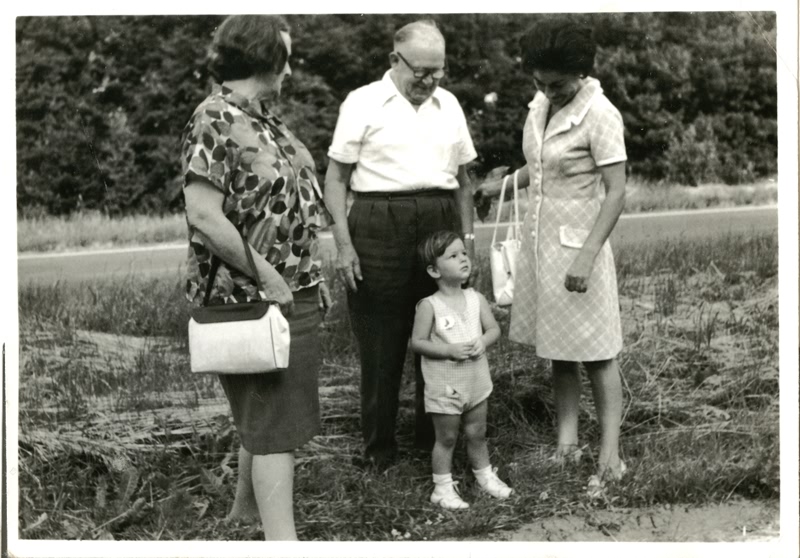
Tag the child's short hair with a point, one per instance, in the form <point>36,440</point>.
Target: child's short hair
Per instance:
<point>434,245</point>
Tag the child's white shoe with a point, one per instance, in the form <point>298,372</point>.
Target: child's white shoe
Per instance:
<point>446,496</point>
<point>490,483</point>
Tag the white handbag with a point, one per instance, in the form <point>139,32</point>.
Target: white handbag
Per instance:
<point>503,255</point>
<point>242,338</point>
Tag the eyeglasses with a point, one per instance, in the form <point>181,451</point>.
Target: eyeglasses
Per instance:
<point>421,73</point>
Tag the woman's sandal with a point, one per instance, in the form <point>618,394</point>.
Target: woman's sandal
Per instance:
<point>597,483</point>
<point>573,454</point>
<point>610,475</point>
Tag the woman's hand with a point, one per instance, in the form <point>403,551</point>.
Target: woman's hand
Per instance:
<point>482,199</point>
<point>578,274</point>
<point>275,288</point>
<point>488,190</point>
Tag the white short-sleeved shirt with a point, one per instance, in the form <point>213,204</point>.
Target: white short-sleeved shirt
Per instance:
<point>396,148</point>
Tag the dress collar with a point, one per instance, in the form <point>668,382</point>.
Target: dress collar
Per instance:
<point>570,115</point>
<point>250,106</point>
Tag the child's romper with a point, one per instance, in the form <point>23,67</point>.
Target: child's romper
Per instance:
<point>453,387</point>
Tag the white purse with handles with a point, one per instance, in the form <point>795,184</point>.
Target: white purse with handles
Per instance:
<point>243,338</point>
<point>503,254</point>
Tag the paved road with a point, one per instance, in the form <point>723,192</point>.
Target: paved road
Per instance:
<point>167,260</point>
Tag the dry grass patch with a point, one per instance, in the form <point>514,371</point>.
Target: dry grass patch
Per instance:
<point>119,440</point>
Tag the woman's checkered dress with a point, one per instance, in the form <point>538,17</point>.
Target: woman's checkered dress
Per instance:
<point>564,201</point>
<point>453,387</point>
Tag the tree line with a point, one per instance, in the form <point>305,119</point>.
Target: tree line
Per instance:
<point>102,100</point>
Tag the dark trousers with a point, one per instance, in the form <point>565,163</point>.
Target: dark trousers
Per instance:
<point>385,231</point>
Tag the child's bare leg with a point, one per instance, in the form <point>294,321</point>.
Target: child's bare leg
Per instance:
<point>475,435</point>
<point>244,502</point>
<point>446,428</point>
<point>444,492</point>
<point>607,391</point>
<point>567,394</point>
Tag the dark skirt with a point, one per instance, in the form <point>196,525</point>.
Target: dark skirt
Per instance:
<point>277,412</point>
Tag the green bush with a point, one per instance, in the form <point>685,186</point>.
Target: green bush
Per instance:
<point>101,101</point>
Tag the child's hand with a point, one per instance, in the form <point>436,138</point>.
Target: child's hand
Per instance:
<point>460,351</point>
<point>478,348</point>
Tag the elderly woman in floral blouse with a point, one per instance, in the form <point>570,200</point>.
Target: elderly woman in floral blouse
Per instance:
<point>247,176</point>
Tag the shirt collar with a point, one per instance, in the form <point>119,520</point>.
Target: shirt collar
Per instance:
<point>389,90</point>
<point>576,109</point>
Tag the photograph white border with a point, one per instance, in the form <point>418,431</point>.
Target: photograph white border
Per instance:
<point>787,47</point>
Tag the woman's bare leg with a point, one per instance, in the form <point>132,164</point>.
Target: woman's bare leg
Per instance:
<point>244,502</point>
<point>273,483</point>
<point>607,391</point>
<point>567,394</point>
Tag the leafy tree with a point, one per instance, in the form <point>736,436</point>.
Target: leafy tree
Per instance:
<point>101,101</point>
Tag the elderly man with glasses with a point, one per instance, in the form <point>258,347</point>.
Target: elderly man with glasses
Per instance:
<point>401,145</point>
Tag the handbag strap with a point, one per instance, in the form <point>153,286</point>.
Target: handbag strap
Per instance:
<point>215,261</point>
<point>513,228</point>
<point>499,209</point>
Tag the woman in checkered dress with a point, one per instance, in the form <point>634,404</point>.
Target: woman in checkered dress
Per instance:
<point>565,300</point>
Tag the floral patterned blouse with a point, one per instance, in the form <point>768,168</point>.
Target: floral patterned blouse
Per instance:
<point>271,193</point>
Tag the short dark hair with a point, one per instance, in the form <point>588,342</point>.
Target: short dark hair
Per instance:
<point>434,245</point>
<point>248,45</point>
<point>558,44</point>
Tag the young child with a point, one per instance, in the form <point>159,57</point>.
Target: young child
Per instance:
<point>452,329</point>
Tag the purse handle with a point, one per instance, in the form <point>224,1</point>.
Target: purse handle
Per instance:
<point>212,273</point>
<point>512,226</point>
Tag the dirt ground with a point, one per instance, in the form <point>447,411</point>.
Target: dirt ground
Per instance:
<point>736,521</point>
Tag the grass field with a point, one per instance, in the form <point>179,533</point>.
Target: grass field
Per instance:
<point>95,230</point>
<point>118,440</point>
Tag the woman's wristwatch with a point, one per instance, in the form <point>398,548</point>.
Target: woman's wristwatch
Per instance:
<point>469,236</point>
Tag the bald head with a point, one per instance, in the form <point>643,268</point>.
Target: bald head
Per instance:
<point>423,32</point>
<point>418,56</point>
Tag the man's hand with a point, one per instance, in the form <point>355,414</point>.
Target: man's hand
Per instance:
<point>325,300</point>
<point>347,267</point>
